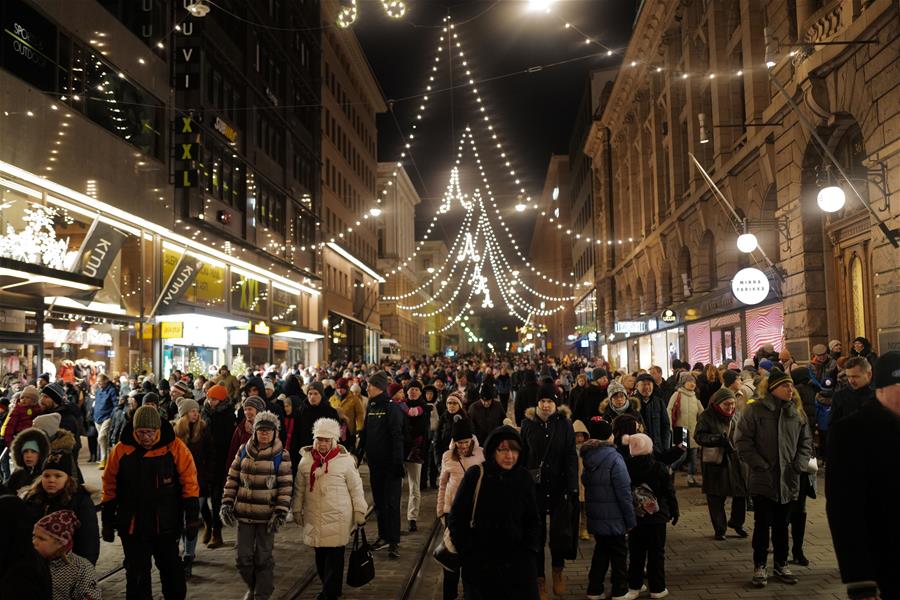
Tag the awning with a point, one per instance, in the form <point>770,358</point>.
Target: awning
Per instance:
<point>37,280</point>
<point>348,317</point>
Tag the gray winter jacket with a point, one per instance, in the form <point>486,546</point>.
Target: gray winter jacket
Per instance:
<point>773,439</point>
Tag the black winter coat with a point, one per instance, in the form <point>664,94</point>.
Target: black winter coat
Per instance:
<point>71,419</point>
<point>303,425</point>
<point>576,397</point>
<point>526,397</point>
<point>382,436</point>
<point>86,541</point>
<point>656,423</point>
<point>498,555</point>
<point>646,469</point>
<point>220,423</point>
<point>485,420</point>
<point>550,449</point>
<point>846,401</point>
<point>23,573</point>
<point>589,404</point>
<point>861,492</point>
<point>203,451</point>
<point>730,477</point>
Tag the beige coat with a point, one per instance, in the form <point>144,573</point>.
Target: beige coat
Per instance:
<point>329,512</point>
<point>452,471</point>
<point>253,487</point>
<point>351,408</point>
<point>690,410</point>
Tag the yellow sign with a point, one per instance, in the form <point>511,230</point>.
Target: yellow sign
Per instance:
<point>208,288</point>
<point>261,328</point>
<point>171,329</point>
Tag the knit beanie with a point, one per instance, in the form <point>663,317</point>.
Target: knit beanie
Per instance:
<point>60,525</point>
<point>326,428</point>
<point>548,392</point>
<point>316,385</point>
<point>833,344</point>
<point>487,391</point>
<point>777,377</point>
<point>598,373</point>
<point>60,461</point>
<point>599,429</point>
<point>146,417</point>
<point>255,402</point>
<point>615,388</point>
<point>638,444</point>
<point>30,392</point>
<point>766,364</point>
<point>49,423</point>
<point>380,379</point>
<point>150,397</point>
<point>415,383</point>
<point>749,364</point>
<point>163,385</point>
<point>55,392</point>
<point>217,392</point>
<point>32,445</point>
<point>393,389</point>
<point>269,385</point>
<point>182,387</point>
<point>342,384</point>
<point>721,395</point>
<point>462,428</point>
<point>684,377</point>
<point>265,420</point>
<point>186,405</point>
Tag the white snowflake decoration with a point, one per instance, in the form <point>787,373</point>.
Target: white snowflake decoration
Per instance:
<point>37,243</point>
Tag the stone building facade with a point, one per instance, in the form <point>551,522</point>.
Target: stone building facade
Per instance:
<point>668,254</point>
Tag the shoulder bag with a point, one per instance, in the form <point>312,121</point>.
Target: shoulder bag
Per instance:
<point>361,567</point>
<point>445,554</point>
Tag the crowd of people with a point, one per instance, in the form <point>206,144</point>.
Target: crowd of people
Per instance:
<point>527,455</point>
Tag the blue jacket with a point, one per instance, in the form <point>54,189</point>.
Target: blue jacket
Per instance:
<point>383,433</point>
<point>105,401</point>
<point>607,490</point>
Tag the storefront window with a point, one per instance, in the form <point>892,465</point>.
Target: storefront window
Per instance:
<point>249,295</point>
<point>285,307</point>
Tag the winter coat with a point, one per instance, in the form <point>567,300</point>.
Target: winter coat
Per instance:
<point>485,420</point>
<point>329,512</point>
<point>498,555</point>
<point>527,396</point>
<point>200,442</point>
<point>231,383</point>
<point>105,400</point>
<point>576,397</point>
<point>689,411</point>
<point>415,439</point>
<point>70,419</point>
<point>861,492</point>
<point>86,541</point>
<point>729,478</point>
<point>453,469</point>
<point>303,425</point>
<point>147,492</point>
<point>632,407</point>
<point>253,488</point>
<point>23,476</point>
<point>73,578</point>
<point>847,401</point>
<point>23,572</point>
<point>352,408</point>
<point>239,437</point>
<point>382,436</point>
<point>657,424</point>
<point>549,447</point>
<point>19,419</point>
<point>773,439</point>
<point>647,470</point>
<point>220,424</point>
<point>608,502</point>
<point>119,417</point>
<point>588,405</point>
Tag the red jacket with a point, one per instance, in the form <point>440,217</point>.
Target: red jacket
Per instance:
<point>18,420</point>
<point>238,439</point>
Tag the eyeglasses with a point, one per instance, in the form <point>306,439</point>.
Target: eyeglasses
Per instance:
<point>145,433</point>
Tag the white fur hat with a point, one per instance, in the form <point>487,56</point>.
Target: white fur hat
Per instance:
<point>326,428</point>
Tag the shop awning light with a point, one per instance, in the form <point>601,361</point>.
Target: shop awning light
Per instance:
<point>100,307</point>
<point>32,278</point>
<point>355,261</point>
<point>299,335</point>
<point>201,320</point>
<point>123,217</point>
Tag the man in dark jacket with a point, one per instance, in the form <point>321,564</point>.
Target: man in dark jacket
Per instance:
<point>654,414</point>
<point>218,413</point>
<point>105,400</point>
<point>862,488</point>
<point>486,414</point>
<point>55,400</point>
<point>527,396</point>
<point>548,441</point>
<point>382,442</point>
<point>773,439</point>
<point>857,393</point>
<point>315,408</point>
<point>589,406</point>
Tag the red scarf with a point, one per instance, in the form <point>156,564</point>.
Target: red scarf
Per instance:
<point>318,461</point>
<point>717,406</point>
<point>676,409</point>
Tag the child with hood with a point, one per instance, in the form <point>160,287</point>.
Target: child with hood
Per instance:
<point>30,449</point>
<point>22,414</point>
<point>73,576</point>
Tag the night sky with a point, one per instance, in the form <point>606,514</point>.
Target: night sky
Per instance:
<point>532,113</point>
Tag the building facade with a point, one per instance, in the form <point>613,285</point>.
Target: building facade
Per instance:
<point>438,335</point>
<point>351,99</point>
<point>143,228</point>
<point>396,245</point>
<point>702,78</point>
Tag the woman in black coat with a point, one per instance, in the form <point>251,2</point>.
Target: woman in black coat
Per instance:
<point>218,414</point>
<point>23,573</point>
<point>497,545</point>
<point>724,475</point>
<point>454,407</point>
<point>549,443</point>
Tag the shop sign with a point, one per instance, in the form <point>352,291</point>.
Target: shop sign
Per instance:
<point>76,337</point>
<point>651,324</point>
<point>179,281</point>
<point>171,330</point>
<point>99,250</point>
<point>186,151</point>
<point>750,286</point>
<point>261,328</point>
<point>668,316</point>
<point>631,326</point>
<point>28,46</point>
<point>225,129</point>
<point>187,59</point>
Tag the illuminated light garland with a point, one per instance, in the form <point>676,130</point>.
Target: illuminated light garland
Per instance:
<point>349,13</point>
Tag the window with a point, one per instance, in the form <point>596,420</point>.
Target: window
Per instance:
<point>270,207</point>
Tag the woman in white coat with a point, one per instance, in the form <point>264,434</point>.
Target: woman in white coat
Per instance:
<point>684,409</point>
<point>328,502</point>
<point>464,452</point>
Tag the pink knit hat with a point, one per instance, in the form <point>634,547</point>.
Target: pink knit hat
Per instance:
<point>638,444</point>
<point>61,526</point>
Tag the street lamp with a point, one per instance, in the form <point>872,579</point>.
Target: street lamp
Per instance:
<point>198,8</point>
<point>375,212</point>
<point>831,198</point>
<point>539,5</point>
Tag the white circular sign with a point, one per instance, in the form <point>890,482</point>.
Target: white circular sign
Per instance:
<point>750,286</point>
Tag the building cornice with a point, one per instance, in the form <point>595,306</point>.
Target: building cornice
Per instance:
<point>358,61</point>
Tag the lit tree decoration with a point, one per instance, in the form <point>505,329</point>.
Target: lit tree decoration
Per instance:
<point>37,243</point>
<point>395,9</point>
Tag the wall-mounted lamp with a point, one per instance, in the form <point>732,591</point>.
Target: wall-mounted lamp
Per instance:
<point>704,134</point>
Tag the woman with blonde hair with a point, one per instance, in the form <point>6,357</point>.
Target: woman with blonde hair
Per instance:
<point>192,430</point>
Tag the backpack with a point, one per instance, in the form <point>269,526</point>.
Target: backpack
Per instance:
<point>276,460</point>
<point>644,499</point>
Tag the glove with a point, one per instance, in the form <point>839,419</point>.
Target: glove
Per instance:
<point>360,518</point>
<point>108,533</point>
<point>675,519</point>
<point>415,411</point>
<point>226,513</point>
<point>192,520</point>
<point>276,521</point>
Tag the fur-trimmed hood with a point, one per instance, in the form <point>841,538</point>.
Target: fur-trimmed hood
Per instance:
<point>561,409</point>
<point>182,429</point>
<point>634,400</point>
<point>766,399</point>
<point>27,435</point>
<point>63,441</point>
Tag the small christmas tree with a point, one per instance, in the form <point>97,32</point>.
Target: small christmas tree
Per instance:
<point>196,366</point>
<point>238,366</point>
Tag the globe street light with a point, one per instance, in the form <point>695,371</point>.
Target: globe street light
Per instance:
<point>747,243</point>
<point>831,199</point>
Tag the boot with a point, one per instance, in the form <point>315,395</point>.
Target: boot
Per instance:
<point>559,582</point>
<point>215,540</point>
<point>798,531</point>
<point>207,535</point>
<point>187,562</point>
<point>542,588</point>
<point>102,465</point>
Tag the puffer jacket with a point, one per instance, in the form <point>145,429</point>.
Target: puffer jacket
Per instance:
<point>607,490</point>
<point>253,487</point>
<point>24,476</point>
<point>689,410</point>
<point>549,447</point>
<point>20,418</point>
<point>452,470</point>
<point>715,430</point>
<point>647,470</point>
<point>329,512</point>
<point>773,439</point>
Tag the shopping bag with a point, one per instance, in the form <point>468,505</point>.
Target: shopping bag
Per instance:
<point>445,554</point>
<point>361,567</point>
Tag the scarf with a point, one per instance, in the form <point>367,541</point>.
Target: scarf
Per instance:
<point>320,460</point>
<point>676,408</point>
<point>621,410</point>
<point>717,406</point>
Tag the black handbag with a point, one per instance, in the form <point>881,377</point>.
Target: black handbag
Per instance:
<point>361,566</point>
<point>564,522</point>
